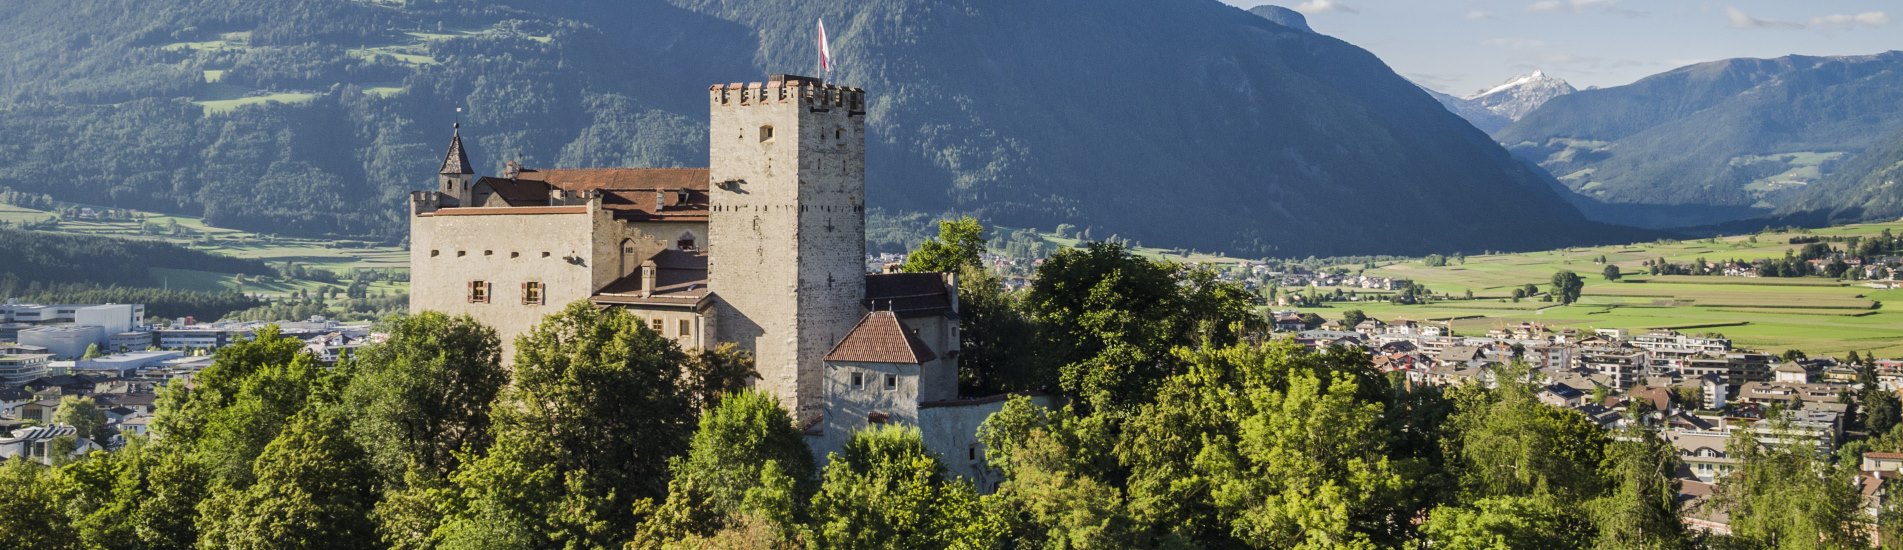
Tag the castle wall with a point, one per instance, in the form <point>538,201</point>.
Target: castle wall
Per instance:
<point>503,248</point>
<point>787,236</point>
<point>848,407</point>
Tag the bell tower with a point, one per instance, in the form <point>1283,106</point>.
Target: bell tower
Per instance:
<point>786,254</point>
<point>455,179</point>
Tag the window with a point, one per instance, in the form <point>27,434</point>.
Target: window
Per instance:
<point>858,380</point>
<point>971,453</point>
<point>655,324</point>
<point>686,327</point>
<point>461,253</point>
<point>891,382</point>
<point>488,252</point>
<point>435,253</point>
<point>545,254</point>
<point>514,255</point>
<point>766,133</point>
<point>839,133</point>
<point>532,293</point>
<point>478,292</point>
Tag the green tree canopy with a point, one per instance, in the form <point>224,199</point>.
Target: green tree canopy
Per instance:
<point>423,395</point>
<point>1566,286</point>
<point>315,489</point>
<point>83,414</point>
<point>745,449</point>
<point>597,407</point>
<point>960,243</point>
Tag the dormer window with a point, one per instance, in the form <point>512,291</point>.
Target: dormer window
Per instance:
<point>766,133</point>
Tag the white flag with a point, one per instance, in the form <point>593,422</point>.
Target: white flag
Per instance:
<point>825,53</point>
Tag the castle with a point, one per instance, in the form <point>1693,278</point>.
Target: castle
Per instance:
<point>764,248</point>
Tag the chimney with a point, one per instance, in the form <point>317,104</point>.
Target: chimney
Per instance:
<point>648,278</point>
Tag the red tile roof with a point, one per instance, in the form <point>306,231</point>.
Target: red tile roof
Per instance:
<point>509,211</point>
<point>586,179</point>
<point>881,338</point>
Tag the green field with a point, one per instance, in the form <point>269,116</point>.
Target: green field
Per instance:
<point>1819,316</point>
<point>327,255</point>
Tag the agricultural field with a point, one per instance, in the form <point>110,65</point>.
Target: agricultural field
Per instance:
<point>1813,314</point>
<point>339,257</point>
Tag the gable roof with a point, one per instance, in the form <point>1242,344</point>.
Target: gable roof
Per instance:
<point>881,338</point>
<point>588,179</point>
<point>908,294</point>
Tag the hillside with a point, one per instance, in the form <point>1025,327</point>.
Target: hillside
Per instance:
<point>1716,141</point>
<point>1866,187</point>
<point>1187,124</point>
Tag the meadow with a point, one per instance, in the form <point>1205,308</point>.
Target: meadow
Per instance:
<point>335,256</point>
<point>1812,314</point>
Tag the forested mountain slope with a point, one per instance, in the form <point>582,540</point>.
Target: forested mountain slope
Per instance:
<point>1716,141</point>
<point>1188,124</point>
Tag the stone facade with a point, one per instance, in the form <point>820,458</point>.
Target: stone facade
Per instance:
<point>788,225</point>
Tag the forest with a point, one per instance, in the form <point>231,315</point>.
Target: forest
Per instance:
<point>1180,428</point>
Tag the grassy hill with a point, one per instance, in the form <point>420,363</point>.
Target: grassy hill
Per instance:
<point>1819,316</point>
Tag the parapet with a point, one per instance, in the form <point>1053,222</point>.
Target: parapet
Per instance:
<point>782,89</point>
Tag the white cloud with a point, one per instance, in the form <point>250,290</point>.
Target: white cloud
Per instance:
<point>1866,19</point>
<point>1477,15</point>
<point>1741,20</point>
<point>1321,6</point>
<point>1547,6</point>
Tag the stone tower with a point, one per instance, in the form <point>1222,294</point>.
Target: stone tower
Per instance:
<point>456,176</point>
<point>786,256</point>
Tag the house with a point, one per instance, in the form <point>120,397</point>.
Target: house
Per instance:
<point>1791,372</point>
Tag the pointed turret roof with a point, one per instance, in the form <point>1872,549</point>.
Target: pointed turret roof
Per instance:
<point>456,163</point>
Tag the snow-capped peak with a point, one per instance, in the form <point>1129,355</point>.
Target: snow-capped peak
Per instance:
<point>1521,94</point>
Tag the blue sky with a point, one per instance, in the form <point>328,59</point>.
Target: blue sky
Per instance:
<point>1459,46</point>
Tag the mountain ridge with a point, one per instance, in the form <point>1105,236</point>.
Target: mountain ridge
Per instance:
<point>1714,142</point>
<point>1226,132</point>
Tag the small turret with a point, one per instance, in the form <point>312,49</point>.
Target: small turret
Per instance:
<point>456,176</point>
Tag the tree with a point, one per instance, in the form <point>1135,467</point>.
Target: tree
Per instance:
<point>1611,273</point>
<point>1308,468</point>
<point>315,489</point>
<point>1782,495</point>
<point>1110,318</point>
<point>960,242</point>
<point>423,395</point>
<point>92,352</point>
<point>714,373</point>
<point>598,405</point>
<point>888,491</point>
<point>997,340</point>
<point>1511,444</point>
<point>239,404</point>
<point>745,450</point>
<point>1506,523</point>
<point>1641,508</point>
<point>30,514</point>
<point>1353,318</point>
<point>1566,286</point>
<point>83,414</point>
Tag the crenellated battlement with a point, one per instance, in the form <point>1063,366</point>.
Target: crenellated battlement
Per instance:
<point>781,89</point>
